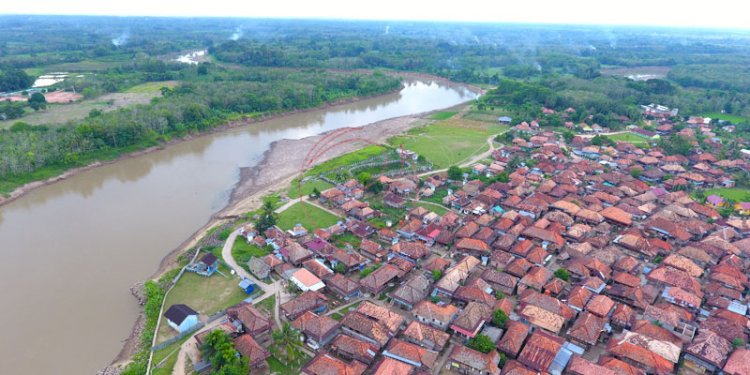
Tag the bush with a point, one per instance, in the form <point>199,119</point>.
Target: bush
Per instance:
<point>499,318</point>
<point>481,343</point>
<point>437,274</point>
<point>562,274</point>
<point>455,173</point>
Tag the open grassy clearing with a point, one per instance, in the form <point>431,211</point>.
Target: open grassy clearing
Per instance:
<point>443,115</point>
<point>726,117</point>
<point>170,352</point>
<point>449,142</point>
<point>242,252</point>
<point>434,207</point>
<point>629,137</point>
<point>488,115</point>
<point>277,367</point>
<point>267,304</point>
<point>207,295</point>
<point>309,216</point>
<point>346,160</point>
<point>295,190</point>
<point>735,194</point>
<point>151,87</point>
<point>61,113</point>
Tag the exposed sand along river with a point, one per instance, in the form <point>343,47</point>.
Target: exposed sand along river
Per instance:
<point>70,251</point>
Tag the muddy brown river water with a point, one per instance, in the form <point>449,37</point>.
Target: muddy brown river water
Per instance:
<point>70,251</point>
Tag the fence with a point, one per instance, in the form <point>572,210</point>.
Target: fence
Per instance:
<point>178,337</point>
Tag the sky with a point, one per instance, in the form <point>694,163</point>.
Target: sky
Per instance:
<point>684,13</point>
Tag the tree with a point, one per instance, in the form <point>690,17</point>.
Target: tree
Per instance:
<point>267,217</point>
<point>636,172</point>
<point>568,135</point>
<point>364,178</point>
<point>375,187</point>
<point>738,342</point>
<point>437,274</point>
<point>287,343</point>
<point>219,349</point>
<point>455,173</point>
<point>481,343</point>
<point>37,101</point>
<point>499,318</point>
<point>562,274</point>
<point>315,193</point>
<point>339,268</point>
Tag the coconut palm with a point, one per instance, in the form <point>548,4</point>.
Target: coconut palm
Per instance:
<point>287,342</point>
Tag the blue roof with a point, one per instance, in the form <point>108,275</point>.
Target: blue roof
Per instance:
<point>504,119</point>
<point>246,283</point>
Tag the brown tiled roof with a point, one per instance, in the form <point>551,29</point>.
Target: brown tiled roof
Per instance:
<point>549,303</point>
<point>413,290</point>
<point>623,315</point>
<point>367,327</point>
<point>723,327</point>
<point>737,364</point>
<point>579,296</point>
<point>315,325</point>
<point>580,366</point>
<point>256,354</point>
<point>675,277</point>
<point>542,318</point>
<point>375,281</point>
<point>390,319</point>
<point>587,328</point>
<point>422,333</point>
<point>537,277</point>
<point>254,321</point>
<point>514,367</point>
<point>472,244</point>
<point>414,250</point>
<point>352,347</point>
<point>620,367</point>
<point>485,363</point>
<point>512,341</point>
<point>645,351</point>
<point>457,274</point>
<point>600,305</point>
<point>626,279</point>
<point>306,301</point>
<point>682,263</point>
<point>473,316</point>
<point>326,364</point>
<point>617,215</point>
<point>342,283</point>
<point>429,310</point>
<point>710,347</point>
<point>540,350</point>
<point>390,366</point>
<point>412,352</point>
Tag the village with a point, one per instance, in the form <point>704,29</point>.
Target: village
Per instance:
<point>599,253</point>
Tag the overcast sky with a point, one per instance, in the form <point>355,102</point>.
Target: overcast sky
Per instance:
<point>687,13</point>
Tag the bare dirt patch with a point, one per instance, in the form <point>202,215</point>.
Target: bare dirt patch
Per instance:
<point>59,97</point>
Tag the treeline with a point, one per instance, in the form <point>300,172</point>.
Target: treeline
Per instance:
<point>13,79</point>
<point>718,76</point>
<point>191,107</point>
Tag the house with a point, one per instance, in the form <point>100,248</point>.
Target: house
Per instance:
<point>352,348</point>
<point>181,318</point>
<point>255,353</point>
<point>372,323</point>
<point>410,293</point>
<point>375,282</point>
<point>305,280</point>
<point>412,251</point>
<point>259,267</point>
<point>714,201</point>
<point>411,354</point>
<point>326,364</point>
<point>515,335</point>
<point>318,330</point>
<point>586,329</point>
<point>654,355</point>
<point>252,321</point>
<point>206,266</point>
<point>307,301</point>
<point>345,287</point>
<point>504,120</point>
<point>426,336</point>
<point>455,275</point>
<point>737,362</point>
<point>469,322</point>
<point>247,285</point>
<point>540,351</point>
<point>440,316</point>
<point>469,361</point>
<point>580,366</point>
<point>708,350</point>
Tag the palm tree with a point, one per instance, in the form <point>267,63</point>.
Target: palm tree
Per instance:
<point>287,341</point>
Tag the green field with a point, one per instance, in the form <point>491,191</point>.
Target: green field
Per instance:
<point>434,207</point>
<point>449,142</point>
<point>443,115</point>
<point>309,216</point>
<point>307,187</point>
<point>151,87</point>
<point>207,295</point>
<point>243,251</point>
<point>726,117</point>
<point>630,138</point>
<point>279,368</point>
<point>267,304</point>
<point>735,194</point>
<point>347,159</point>
<point>170,352</point>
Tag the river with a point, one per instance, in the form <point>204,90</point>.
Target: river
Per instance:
<point>71,250</point>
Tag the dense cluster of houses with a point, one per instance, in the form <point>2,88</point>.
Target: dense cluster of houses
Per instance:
<point>601,270</point>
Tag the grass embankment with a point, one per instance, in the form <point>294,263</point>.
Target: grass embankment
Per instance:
<point>735,194</point>
<point>449,142</point>
<point>311,217</point>
<point>443,115</point>
<point>734,119</point>
<point>362,154</point>
<point>169,353</point>
<point>306,188</point>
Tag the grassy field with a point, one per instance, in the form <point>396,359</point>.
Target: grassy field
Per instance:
<point>449,142</point>
<point>443,115</point>
<point>630,138</point>
<point>279,368</point>
<point>345,160</point>
<point>207,295</point>
<point>151,87</point>
<point>436,208</point>
<point>295,190</point>
<point>170,352</point>
<point>61,113</point>
<point>726,117</point>
<point>735,194</point>
<point>267,304</point>
<point>242,252</point>
<point>309,216</point>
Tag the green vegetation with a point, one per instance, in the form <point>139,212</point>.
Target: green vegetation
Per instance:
<point>151,87</point>
<point>362,154</point>
<point>219,349</point>
<point>169,353</point>
<point>734,194</point>
<point>630,138</point>
<point>267,217</point>
<point>154,293</point>
<point>481,343</point>
<point>336,316</point>
<point>443,115</point>
<point>436,275</point>
<point>499,318</point>
<point>307,188</point>
<point>268,305</point>
<point>311,217</point>
<point>341,240</point>
<point>286,345</point>
<point>448,142</point>
<point>562,274</point>
<point>277,367</point>
<point>738,342</point>
<point>437,208</point>
<point>242,252</point>
<point>368,270</point>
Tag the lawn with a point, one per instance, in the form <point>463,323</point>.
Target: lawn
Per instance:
<point>434,207</point>
<point>151,87</point>
<point>336,316</point>
<point>347,159</point>
<point>243,251</point>
<point>629,137</point>
<point>342,239</point>
<point>443,115</point>
<point>726,117</point>
<point>311,217</point>
<point>735,194</point>
<point>279,368</point>
<point>307,187</point>
<point>170,351</point>
<point>449,142</point>
<point>268,305</point>
<point>207,295</point>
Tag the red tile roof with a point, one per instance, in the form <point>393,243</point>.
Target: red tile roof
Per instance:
<point>540,350</point>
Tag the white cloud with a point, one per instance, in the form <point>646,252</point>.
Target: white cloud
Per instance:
<point>716,13</point>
